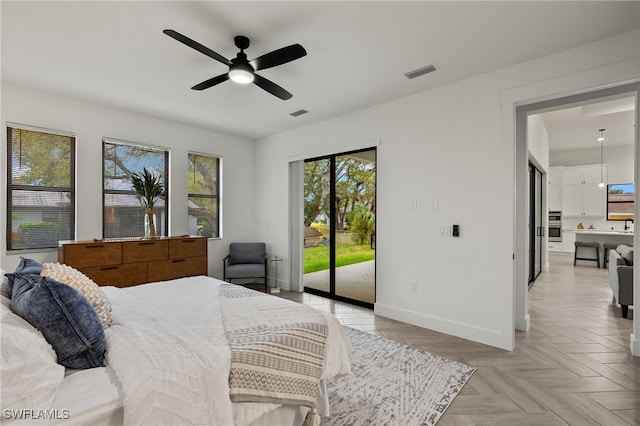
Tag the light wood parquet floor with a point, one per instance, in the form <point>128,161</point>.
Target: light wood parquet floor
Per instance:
<point>573,367</point>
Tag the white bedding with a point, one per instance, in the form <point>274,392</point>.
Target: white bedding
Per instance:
<point>159,332</point>
<point>189,307</point>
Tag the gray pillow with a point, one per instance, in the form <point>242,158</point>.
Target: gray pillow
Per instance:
<point>63,315</point>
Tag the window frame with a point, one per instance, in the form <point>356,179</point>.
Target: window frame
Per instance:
<point>105,192</point>
<point>217,196</point>
<point>71,189</point>
<point>609,202</point>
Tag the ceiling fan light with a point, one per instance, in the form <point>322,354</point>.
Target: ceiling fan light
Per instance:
<point>241,76</point>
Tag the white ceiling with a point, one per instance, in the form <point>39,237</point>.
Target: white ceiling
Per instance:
<point>114,53</point>
<point>577,126</point>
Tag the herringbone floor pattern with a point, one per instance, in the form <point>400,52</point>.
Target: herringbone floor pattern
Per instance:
<point>573,367</point>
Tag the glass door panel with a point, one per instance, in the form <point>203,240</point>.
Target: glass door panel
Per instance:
<point>339,226</point>
<point>355,188</point>
<point>317,196</point>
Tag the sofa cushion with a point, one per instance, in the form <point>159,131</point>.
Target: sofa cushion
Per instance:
<point>627,254</point>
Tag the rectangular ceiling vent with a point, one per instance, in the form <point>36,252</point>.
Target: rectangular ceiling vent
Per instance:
<point>420,71</point>
<point>299,112</point>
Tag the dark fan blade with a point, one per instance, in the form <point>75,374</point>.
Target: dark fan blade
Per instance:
<point>271,87</point>
<point>211,82</point>
<point>279,57</point>
<point>195,45</point>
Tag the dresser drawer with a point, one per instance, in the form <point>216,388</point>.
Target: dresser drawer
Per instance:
<point>187,247</point>
<point>177,268</point>
<point>87,255</point>
<point>144,251</point>
<point>118,275</point>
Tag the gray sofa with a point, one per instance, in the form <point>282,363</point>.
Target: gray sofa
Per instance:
<point>621,276</point>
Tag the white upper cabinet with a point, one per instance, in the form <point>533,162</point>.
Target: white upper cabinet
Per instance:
<point>581,193</point>
<point>554,193</point>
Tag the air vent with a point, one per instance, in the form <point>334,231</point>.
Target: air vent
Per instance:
<point>420,71</point>
<point>298,112</point>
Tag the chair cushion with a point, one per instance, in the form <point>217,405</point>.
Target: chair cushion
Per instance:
<point>247,270</point>
<point>63,315</point>
<point>246,253</point>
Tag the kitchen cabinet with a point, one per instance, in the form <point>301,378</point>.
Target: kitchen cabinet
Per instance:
<point>581,193</point>
<point>554,191</point>
<point>551,246</point>
<point>568,240</point>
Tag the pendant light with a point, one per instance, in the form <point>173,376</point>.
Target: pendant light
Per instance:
<point>601,140</point>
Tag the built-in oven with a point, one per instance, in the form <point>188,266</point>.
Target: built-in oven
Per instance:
<point>555,226</point>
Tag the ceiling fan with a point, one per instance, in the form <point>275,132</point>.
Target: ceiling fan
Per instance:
<point>241,70</point>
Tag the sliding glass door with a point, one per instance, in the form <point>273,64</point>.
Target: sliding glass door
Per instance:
<point>339,226</point>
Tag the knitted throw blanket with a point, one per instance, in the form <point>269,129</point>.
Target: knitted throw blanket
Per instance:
<point>272,359</point>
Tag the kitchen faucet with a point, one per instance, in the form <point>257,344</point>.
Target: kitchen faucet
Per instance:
<point>626,227</point>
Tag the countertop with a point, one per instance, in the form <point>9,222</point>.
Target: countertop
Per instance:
<point>603,232</point>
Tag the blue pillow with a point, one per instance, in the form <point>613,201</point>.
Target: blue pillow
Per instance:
<point>29,266</point>
<point>64,316</point>
<point>26,266</point>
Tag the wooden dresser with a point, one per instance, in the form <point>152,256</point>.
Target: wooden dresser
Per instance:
<point>123,263</point>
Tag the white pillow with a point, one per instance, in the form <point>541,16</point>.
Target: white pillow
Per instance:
<point>85,285</point>
<point>29,371</point>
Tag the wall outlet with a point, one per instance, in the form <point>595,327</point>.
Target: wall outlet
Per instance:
<point>413,286</point>
<point>413,204</point>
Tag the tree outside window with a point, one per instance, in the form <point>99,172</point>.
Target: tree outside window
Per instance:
<point>123,215</point>
<point>203,188</point>
<point>40,188</point>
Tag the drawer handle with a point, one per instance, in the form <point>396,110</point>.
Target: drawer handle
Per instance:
<point>189,241</point>
<point>106,268</point>
<point>179,260</point>
<point>147,243</point>
<point>95,246</point>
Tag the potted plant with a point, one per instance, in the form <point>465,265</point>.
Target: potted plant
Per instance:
<point>148,187</point>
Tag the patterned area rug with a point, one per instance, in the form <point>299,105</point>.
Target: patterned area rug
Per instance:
<point>393,385</point>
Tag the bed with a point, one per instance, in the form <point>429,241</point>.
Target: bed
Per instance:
<point>178,352</point>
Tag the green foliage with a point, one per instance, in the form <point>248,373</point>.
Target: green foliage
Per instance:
<point>148,187</point>
<point>42,159</point>
<point>40,234</point>
<point>363,223</point>
<point>207,230</point>
<point>317,258</point>
<point>354,185</point>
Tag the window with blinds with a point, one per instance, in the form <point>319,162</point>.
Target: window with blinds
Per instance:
<point>40,187</point>
<point>203,188</point>
<point>124,215</point>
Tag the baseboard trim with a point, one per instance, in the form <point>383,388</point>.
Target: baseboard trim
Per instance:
<point>523,324</point>
<point>466,331</point>
<point>635,344</point>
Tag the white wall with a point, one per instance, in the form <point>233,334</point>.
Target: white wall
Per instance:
<point>454,144</point>
<point>91,123</point>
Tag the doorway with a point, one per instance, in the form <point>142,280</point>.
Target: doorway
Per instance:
<point>522,254</point>
<point>339,226</point>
